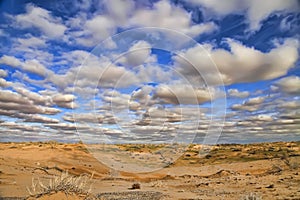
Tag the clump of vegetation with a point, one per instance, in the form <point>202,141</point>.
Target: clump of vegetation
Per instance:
<point>136,186</point>
<point>66,183</point>
<point>251,196</point>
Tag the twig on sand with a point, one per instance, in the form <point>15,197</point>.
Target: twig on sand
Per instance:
<point>45,169</point>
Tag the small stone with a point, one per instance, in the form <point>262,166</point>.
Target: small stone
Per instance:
<point>270,186</point>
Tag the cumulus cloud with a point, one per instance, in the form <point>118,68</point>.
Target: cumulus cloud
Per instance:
<point>239,65</point>
<point>265,118</point>
<point>254,101</point>
<point>119,77</point>
<point>18,126</point>
<point>137,54</point>
<point>95,72</point>
<point>142,97</point>
<point>13,97</point>
<point>4,83</point>
<point>259,11</point>
<point>292,105</point>
<point>31,42</point>
<point>40,119</point>
<point>250,105</point>
<point>290,84</point>
<point>3,73</point>
<point>256,10</point>
<point>33,66</point>
<point>28,108</point>
<point>237,93</point>
<point>184,94</point>
<point>120,10</point>
<point>62,126</point>
<point>41,19</point>
<point>65,100</point>
<point>155,116</point>
<point>89,31</point>
<point>10,60</point>
<point>14,101</point>
<point>97,29</point>
<point>33,96</point>
<point>166,15</point>
<point>83,117</point>
<point>115,98</point>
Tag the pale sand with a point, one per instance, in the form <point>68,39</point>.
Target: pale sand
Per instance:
<point>270,170</point>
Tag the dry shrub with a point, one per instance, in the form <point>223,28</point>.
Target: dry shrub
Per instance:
<point>66,183</point>
<point>136,186</point>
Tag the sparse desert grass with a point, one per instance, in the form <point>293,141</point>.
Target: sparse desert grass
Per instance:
<point>157,183</point>
<point>69,184</point>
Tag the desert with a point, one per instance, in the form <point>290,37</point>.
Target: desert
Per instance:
<point>228,171</point>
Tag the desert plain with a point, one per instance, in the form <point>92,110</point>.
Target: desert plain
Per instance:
<point>227,171</point>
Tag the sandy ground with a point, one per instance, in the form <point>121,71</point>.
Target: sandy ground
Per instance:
<point>268,170</point>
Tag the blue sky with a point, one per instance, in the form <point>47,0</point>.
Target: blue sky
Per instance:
<point>149,71</point>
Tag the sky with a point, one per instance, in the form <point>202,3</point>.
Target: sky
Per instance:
<point>127,71</point>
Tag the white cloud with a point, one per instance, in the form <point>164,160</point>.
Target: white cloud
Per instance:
<point>65,100</point>
<point>166,15</point>
<point>254,101</point>
<point>290,84</point>
<point>96,30</point>
<point>83,117</point>
<point>118,77</point>
<point>33,66</point>
<point>220,7</point>
<point>120,10</point>
<point>42,19</point>
<point>260,10</point>
<point>137,54</point>
<point>29,102</point>
<point>91,30</point>
<point>115,98</point>
<point>239,65</point>
<point>237,93</point>
<point>290,105</point>
<point>3,73</point>
<point>62,126</point>
<point>40,119</point>
<point>31,42</point>
<point>264,118</point>
<point>11,61</point>
<point>93,72</point>
<point>19,126</point>
<point>250,105</point>
<point>33,96</point>
<point>142,95</point>
<point>4,83</point>
<point>153,73</point>
<point>28,108</point>
<point>256,10</point>
<point>12,97</point>
<point>184,94</point>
